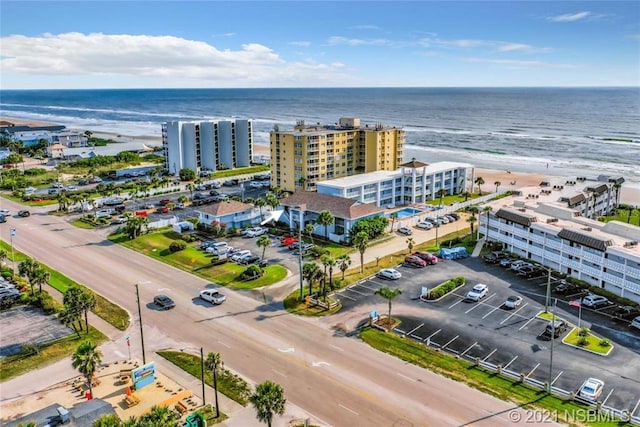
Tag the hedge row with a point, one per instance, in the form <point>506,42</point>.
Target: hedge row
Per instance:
<point>444,288</point>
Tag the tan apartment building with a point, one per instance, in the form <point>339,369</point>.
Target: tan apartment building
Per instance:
<point>308,154</point>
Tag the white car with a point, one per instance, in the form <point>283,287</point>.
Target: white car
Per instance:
<point>255,184</point>
<point>595,301</point>
<point>478,292</point>
<point>389,273</point>
<point>405,230</point>
<point>424,225</point>
<point>255,232</point>
<point>5,212</point>
<point>635,323</point>
<point>591,389</point>
<point>513,301</point>
<point>212,296</point>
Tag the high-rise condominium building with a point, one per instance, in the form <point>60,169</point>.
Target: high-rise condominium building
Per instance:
<point>311,153</point>
<point>208,145</point>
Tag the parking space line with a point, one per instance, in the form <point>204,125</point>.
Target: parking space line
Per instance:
<point>556,378</point>
<point>468,348</point>
<point>400,331</point>
<point>486,315</point>
<point>415,329</point>
<point>347,297</point>
<point>455,303</point>
<point>450,341</point>
<point>531,371</point>
<point>480,303</point>
<point>348,409</point>
<point>489,355</point>
<point>608,396</point>
<point>635,407</point>
<point>430,336</point>
<point>514,313</point>
<point>510,362</point>
<point>354,291</point>
<point>527,322</point>
<point>366,287</point>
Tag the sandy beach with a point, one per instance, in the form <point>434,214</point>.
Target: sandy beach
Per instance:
<point>509,180</point>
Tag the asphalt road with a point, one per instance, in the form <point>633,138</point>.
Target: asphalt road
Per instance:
<point>336,378</point>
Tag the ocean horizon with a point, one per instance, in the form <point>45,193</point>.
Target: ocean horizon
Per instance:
<point>571,130</point>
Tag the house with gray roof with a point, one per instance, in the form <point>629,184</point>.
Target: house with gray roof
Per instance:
<point>231,213</point>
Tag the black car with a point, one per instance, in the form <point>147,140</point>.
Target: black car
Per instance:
<point>3,218</point>
<point>24,213</point>
<point>164,302</point>
<point>249,260</point>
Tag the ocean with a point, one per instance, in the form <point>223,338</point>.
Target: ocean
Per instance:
<point>562,131</point>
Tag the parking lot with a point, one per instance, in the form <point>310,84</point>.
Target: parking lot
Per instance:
<point>26,325</point>
<point>509,337</point>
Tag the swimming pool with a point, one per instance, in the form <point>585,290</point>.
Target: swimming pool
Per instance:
<point>406,212</point>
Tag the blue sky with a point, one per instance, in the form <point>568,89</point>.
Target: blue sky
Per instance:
<point>121,44</point>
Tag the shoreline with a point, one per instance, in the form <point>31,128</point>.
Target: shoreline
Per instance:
<point>508,173</point>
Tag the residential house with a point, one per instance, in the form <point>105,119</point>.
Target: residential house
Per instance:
<point>231,213</point>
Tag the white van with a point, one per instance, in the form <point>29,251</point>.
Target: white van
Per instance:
<point>218,248</point>
<point>237,256</point>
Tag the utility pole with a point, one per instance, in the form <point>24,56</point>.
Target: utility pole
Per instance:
<point>300,254</point>
<point>553,338</point>
<point>548,296</point>
<point>202,375</point>
<point>144,359</point>
<point>13,259</point>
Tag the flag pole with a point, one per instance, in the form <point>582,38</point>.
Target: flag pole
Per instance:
<point>579,315</point>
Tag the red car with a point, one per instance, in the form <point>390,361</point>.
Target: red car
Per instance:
<point>426,256</point>
<point>164,209</point>
<point>286,241</point>
<point>164,202</point>
<point>415,261</point>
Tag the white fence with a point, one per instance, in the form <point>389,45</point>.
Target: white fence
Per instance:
<point>163,223</point>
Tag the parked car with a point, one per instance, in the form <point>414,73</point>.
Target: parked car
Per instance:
<point>164,302</point>
<point>591,389</point>
<point>517,265</point>
<point>240,254</point>
<point>212,296</point>
<point>595,301</point>
<point>565,288</point>
<point>478,292</point>
<point>513,301</point>
<point>506,262</point>
<point>635,323</point>
<point>415,261</point>
<point>389,273</point>
<point>256,231</point>
<point>454,215</point>
<point>405,230</point>
<point>626,312</point>
<point>528,271</point>
<point>555,329</point>
<point>3,218</point>
<point>230,182</point>
<point>164,202</point>
<point>286,241</point>
<point>255,184</point>
<point>5,212</point>
<point>494,257</point>
<point>248,259</point>
<point>430,258</point>
<point>164,210</point>
<point>120,220</point>
<point>425,225</point>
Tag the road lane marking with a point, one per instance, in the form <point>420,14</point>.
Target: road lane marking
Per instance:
<point>319,364</point>
<point>406,377</point>
<point>279,373</point>
<point>348,409</point>
<point>336,347</point>
<point>514,313</point>
<point>286,350</point>
<point>224,344</point>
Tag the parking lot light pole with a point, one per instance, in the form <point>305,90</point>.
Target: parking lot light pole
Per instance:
<point>13,258</point>
<point>548,295</point>
<point>553,337</point>
<point>144,358</point>
<point>300,252</point>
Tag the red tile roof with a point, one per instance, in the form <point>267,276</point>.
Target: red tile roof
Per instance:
<point>339,207</point>
<point>225,208</point>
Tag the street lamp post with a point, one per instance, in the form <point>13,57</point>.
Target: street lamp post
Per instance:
<point>13,259</point>
<point>144,359</point>
<point>300,253</point>
<point>548,293</point>
<point>215,385</point>
<point>553,335</point>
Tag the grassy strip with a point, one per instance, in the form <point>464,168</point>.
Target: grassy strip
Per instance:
<point>47,354</point>
<point>240,171</point>
<point>39,202</point>
<point>105,309</point>
<point>209,414</point>
<point>293,305</point>
<point>594,343</point>
<point>229,384</point>
<point>82,224</point>
<point>195,261</point>
<point>463,371</point>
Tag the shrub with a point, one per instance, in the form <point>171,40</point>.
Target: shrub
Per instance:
<point>584,332</point>
<point>318,251</point>
<point>177,245</point>
<point>605,342</point>
<point>252,272</point>
<point>445,288</point>
<point>584,340</point>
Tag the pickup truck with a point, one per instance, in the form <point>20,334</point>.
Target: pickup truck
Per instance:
<point>212,296</point>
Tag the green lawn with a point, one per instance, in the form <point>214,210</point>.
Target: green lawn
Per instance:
<point>82,224</point>
<point>240,171</point>
<point>476,377</point>
<point>105,309</point>
<point>623,216</point>
<point>293,305</point>
<point>594,342</point>
<point>229,384</point>
<point>47,354</point>
<point>193,260</point>
<point>38,202</point>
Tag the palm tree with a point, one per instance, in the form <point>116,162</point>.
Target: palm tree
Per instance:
<point>325,219</point>
<point>214,364</point>
<point>309,229</point>
<point>63,201</point>
<point>73,300</point>
<point>268,400</point>
<point>70,318</point>
<point>410,244</point>
<point>389,294</point>
<point>28,268</point>
<point>329,263</point>
<point>190,187</point>
<point>160,416</point>
<point>497,184</point>
<point>303,183</point>
<point>3,256</point>
<point>487,209</point>
<point>310,274</point>
<point>40,277</point>
<point>344,261</point>
<point>183,199</point>
<point>361,242</point>
<point>394,217</point>
<point>86,360</point>
<point>617,187</point>
<point>87,303</point>
<point>441,193</point>
<point>466,195</point>
<point>263,242</point>
<point>479,181</point>
<point>472,219</point>
<point>109,420</point>
<point>272,201</point>
<point>260,203</point>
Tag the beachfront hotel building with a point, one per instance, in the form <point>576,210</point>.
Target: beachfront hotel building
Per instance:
<point>548,229</point>
<point>308,154</point>
<point>412,183</point>
<point>207,145</point>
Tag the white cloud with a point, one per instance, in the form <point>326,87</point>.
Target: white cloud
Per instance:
<point>301,43</point>
<point>459,43</point>
<point>224,35</point>
<point>520,63</point>
<point>339,40</point>
<point>570,17</point>
<point>365,27</point>
<point>521,47</point>
<point>167,59</point>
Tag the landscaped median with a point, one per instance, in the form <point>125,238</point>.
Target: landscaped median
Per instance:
<point>581,338</point>
<point>508,390</point>
<point>443,289</point>
<point>293,304</point>
<point>198,262</point>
